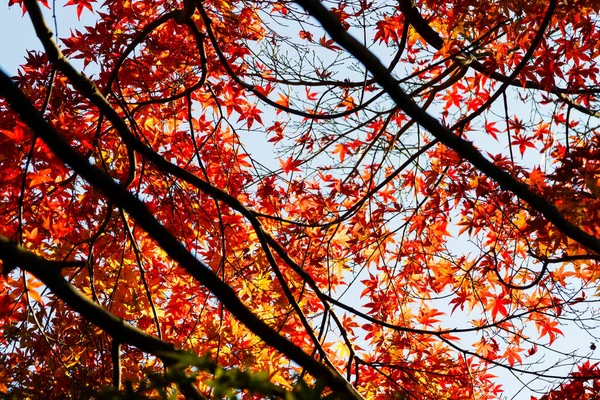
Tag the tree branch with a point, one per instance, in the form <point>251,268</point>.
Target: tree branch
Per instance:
<point>463,147</point>
<point>138,210</point>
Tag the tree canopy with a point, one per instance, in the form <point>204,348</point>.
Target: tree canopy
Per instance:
<point>260,198</point>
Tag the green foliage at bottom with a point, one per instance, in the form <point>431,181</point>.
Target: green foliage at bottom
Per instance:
<point>183,372</point>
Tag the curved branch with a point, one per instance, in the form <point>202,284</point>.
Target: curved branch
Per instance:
<point>13,255</point>
<point>416,20</point>
<point>510,79</point>
<point>138,210</point>
<point>531,284</point>
<point>266,99</point>
<point>463,147</point>
<point>414,17</point>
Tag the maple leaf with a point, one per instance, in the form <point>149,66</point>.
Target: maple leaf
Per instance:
<point>283,101</point>
<point>537,178</point>
<point>459,301</point>
<point>277,129</point>
<point>329,44</point>
<point>340,237</point>
<point>31,235</point>
<point>488,348</point>
<point>348,103</point>
<point>280,7</point>
<point>342,150</point>
<point>452,98</point>
<point>251,114</point>
<point>490,128</point>
<point>387,29</point>
<point>523,142</point>
<point>512,354</point>
<point>312,96</point>
<point>532,350</point>
<point>81,4</point>
<point>428,318</point>
<point>41,177</point>
<point>497,304</point>
<point>290,165</point>
<point>549,328</point>
<point>440,229</point>
<point>17,134</point>
<point>305,35</point>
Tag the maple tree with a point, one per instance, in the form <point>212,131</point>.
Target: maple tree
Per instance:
<point>419,218</point>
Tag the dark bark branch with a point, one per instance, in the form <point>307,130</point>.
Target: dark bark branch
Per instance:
<point>510,79</point>
<point>233,75</point>
<point>116,359</point>
<point>223,291</point>
<point>463,147</point>
<point>119,330</point>
<point>17,256</point>
<point>138,210</point>
<point>414,17</point>
<point>239,310</point>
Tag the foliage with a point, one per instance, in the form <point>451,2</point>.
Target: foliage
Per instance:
<point>361,199</point>
<point>224,383</point>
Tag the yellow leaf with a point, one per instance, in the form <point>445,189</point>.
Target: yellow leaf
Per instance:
<point>222,5</point>
<point>341,349</point>
<point>41,177</point>
<point>33,294</point>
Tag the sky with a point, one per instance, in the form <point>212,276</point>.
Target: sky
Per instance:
<point>18,30</point>
<point>20,36</point>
